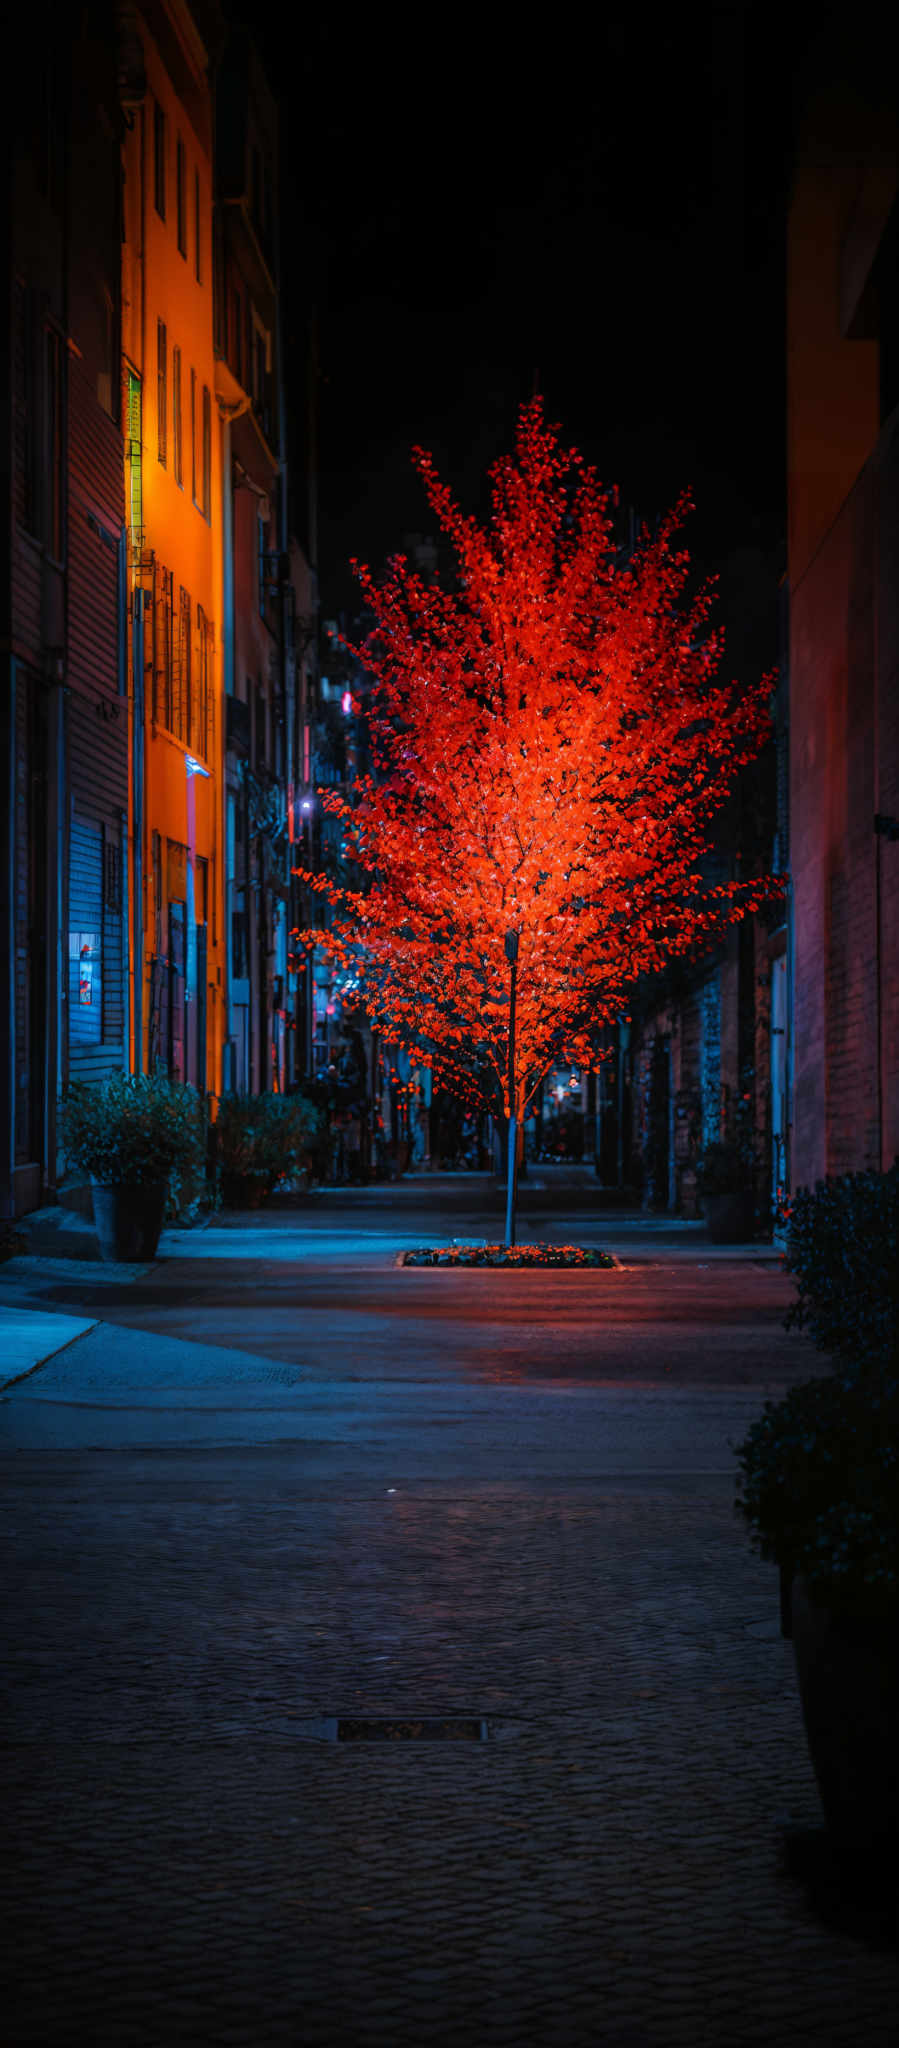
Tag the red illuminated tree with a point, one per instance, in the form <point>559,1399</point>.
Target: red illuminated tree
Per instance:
<point>551,746</point>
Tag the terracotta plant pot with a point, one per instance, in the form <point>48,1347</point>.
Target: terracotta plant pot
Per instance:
<point>129,1219</point>
<point>848,1672</point>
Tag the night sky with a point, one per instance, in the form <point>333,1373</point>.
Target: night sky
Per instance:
<point>602,211</point>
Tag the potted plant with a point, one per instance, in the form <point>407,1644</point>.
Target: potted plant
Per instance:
<point>724,1179</point>
<point>139,1138</point>
<point>259,1140</point>
<point>819,1489</point>
<point>726,1169</point>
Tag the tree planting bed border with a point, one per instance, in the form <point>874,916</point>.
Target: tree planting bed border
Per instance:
<point>539,1255</point>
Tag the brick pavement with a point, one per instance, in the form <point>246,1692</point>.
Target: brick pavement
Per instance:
<point>189,1867</point>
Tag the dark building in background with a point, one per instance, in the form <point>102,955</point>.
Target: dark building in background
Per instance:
<point>64,720</point>
<point>699,1059</point>
<point>843,489</point>
<point>269,594</point>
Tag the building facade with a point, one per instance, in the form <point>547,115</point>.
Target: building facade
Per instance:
<point>64,874</point>
<point>264,578</point>
<point>173,490</point>
<point>843,503</point>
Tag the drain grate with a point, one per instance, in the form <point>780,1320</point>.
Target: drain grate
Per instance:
<point>427,1729</point>
<point>394,1728</point>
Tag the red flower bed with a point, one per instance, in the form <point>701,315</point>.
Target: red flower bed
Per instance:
<point>507,1255</point>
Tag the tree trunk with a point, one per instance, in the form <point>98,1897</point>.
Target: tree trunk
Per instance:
<point>513,1149</point>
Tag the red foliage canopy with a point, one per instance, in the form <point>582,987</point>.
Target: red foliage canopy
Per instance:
<point>551,745</point>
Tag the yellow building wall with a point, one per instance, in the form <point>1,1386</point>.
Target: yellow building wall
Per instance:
<point>161,284</point>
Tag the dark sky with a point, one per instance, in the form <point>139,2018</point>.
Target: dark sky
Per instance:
<point>600,208</point>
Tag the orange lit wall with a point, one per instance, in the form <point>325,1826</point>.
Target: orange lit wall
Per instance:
<point>168,285</point>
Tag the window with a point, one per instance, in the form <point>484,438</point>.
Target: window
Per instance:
<point>181,704</point>
<point>259,745</point>
<point>163,646</point>
<point>260,531</point>
<point>207,453</point>
<point>237,326</point>
<point>259,369</point>
<point>267,207</point>
<point>209,701</point>
<point>181,195</point>
<point>133,434</point>
<point>161,390</point>
<point>107,378</point>
<point>176,416</point>
<point>202,734</point>
<point>156,865</point>
<point>27,477</point>
<point>53,425</point>
<point>198,239</point>
<point>193,435</point>
<point>48,101</point>
<point>40,427</point>
<point>240,948</point>
<point>112,874</point>
<point>159,159</point>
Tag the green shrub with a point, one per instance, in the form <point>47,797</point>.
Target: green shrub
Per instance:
<point>819,1489</point>
<point>843,1250</point>
<point>136,1128</point>
<point>321,1101</point>
<point>264,1137</point>
<point>730,1163</point>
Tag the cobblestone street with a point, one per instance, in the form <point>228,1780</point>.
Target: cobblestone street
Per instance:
<point>193,1861</point>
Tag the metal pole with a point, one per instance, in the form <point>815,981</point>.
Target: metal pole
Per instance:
<point>512,957</point>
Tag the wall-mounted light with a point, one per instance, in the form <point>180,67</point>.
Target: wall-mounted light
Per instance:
<point>195,767</point>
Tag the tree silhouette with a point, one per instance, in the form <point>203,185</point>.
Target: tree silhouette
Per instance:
<point>551,745</point>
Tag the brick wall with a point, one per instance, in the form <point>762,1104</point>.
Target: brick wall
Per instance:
<point>844,654</point>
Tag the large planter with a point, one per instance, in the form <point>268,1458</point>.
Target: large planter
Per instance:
<point>728,1217</point>
<point>243,1190</point>
<point>848,1672</point>
<point>129,1218</point>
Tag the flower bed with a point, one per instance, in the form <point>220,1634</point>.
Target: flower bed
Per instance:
<point>507,1255</point>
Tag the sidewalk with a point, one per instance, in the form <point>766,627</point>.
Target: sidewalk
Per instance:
<point>420,1208</point>
<point>28,1336</point>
